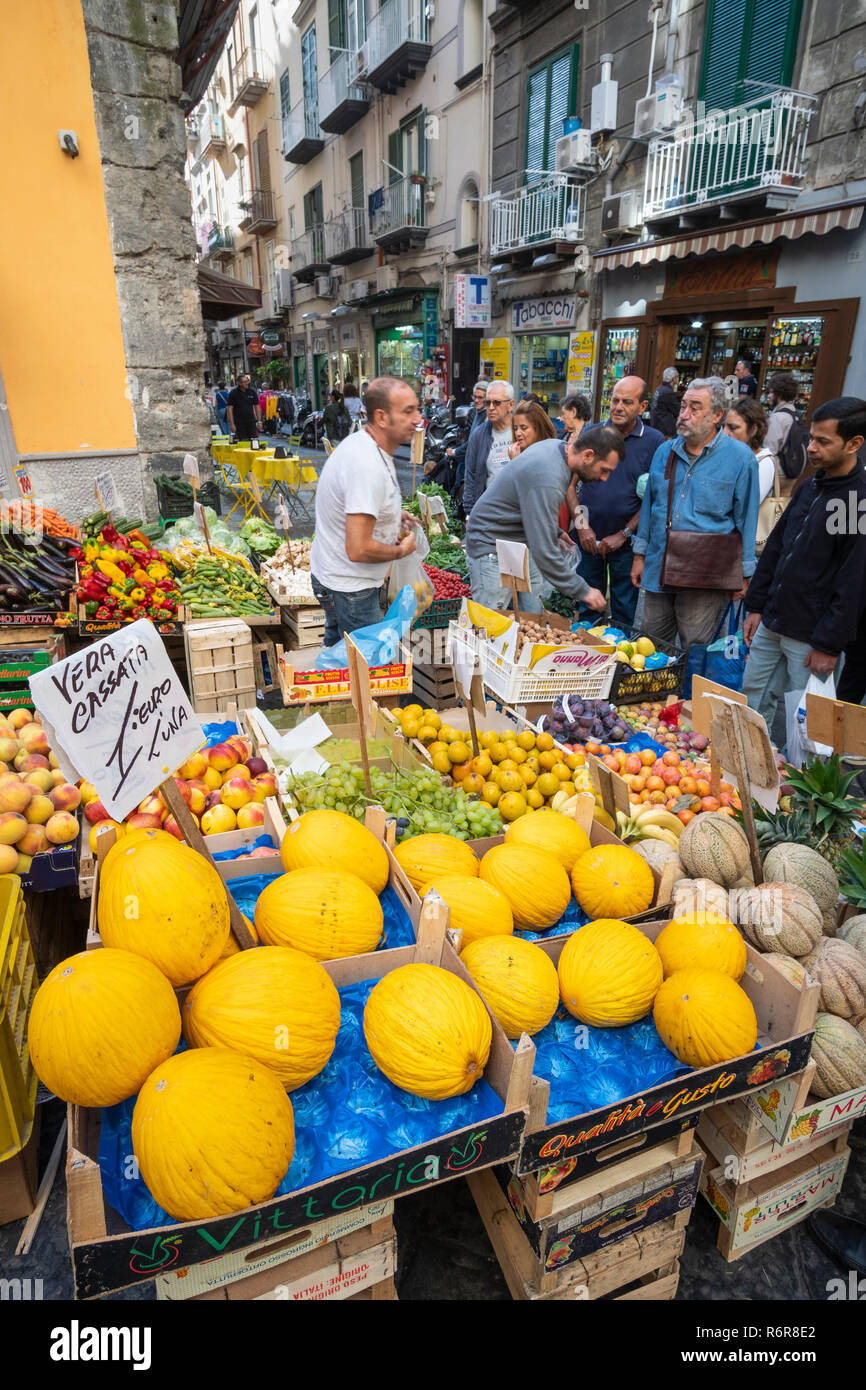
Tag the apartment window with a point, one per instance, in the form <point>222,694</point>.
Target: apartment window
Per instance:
<point>242,183</point>
<point>467,215</point>
<point>356,181</point>
<point>347,25</point>
<point>253,26</point>
<point>285,106</point>
<point>749,48</point>
<point>311,77</point>
<point>471,36</point>
<point>407,148</point>
<point>551,96</point>
<point>271,270</point>
<point>248,267</point>
<point>313,207</point>
<point>261,158</point>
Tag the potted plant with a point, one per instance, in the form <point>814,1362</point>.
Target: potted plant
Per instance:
<point>418,178</point>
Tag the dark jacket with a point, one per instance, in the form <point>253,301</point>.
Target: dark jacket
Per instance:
<point>665,410</point>
<point>810,582</point>
<point>475,478</point>
<point>478,419</point>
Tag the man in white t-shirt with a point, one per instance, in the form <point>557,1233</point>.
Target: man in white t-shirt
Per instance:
<point>360,523</point>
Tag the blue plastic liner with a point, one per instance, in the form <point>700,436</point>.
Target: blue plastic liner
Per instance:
<point>348,1115</point>
<point>254,844</point>
<point>218,733</point>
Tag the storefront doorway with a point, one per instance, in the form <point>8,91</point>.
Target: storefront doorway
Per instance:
<point>543,359</point>
<point>400,351</point>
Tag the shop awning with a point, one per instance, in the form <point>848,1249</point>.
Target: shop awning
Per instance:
<point>818,221</point>
<point>202,29</point>
<point>509,287</point>
<point>223,297</point>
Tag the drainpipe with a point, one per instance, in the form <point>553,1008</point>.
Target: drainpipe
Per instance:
<point>673,35</point>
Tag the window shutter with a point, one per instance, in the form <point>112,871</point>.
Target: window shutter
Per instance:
<point>395,154</point>
<point>560,86</point>
<point>772,46</point>
<point>356,180</point>
<point>536,119</point>
<point>285,104</point>
<point>720,86</point>
<point>263,168</point>
<point>336,25</point>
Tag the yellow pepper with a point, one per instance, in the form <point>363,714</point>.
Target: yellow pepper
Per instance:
<point>157,572</point>
<point>106,567</point>
<point>140,576</point>
<point>91,550</point>
<point>122,597</point>
<point>138,595</point>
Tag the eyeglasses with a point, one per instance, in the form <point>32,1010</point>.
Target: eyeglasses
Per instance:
<point>496,400</point>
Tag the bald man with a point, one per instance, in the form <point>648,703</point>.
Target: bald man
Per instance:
<point>611,510</point>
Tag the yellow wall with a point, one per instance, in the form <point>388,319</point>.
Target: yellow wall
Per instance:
<point>61,348</point>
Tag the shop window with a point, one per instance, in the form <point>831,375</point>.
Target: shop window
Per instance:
<point>749,47</point>
<point>467,216</point>
<point>551,96</point>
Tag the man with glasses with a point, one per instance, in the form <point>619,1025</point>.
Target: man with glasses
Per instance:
<point>488,445</point>
<point>458,455</point>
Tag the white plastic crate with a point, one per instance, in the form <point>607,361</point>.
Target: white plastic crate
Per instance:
<point>523,685</point>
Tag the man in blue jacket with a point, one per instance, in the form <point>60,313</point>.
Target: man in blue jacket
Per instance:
<point>487,450</point>
<point>809,588</point>
<point>458,454</point>
<point>715,492</point>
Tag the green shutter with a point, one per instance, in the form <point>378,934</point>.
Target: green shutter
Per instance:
<point>395,154</point>
<point>744,39</point>
<point>772,48</point>
<point>336,25</point>
<point>551,95</point>
<point>536,119</point>
<point>723,43</point>
<point>560,94</point>
<point>356,180</point>
<point>285,104</point>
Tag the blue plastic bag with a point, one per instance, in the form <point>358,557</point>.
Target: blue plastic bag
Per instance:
<point>722,660</point>
<point>379,644</point>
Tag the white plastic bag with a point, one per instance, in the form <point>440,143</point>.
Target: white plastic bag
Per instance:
<point>410,570</point>
<point>799,744</point>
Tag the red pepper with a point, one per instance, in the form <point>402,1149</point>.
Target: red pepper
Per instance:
<point>126,566</point>
<point>103,614</point>
<point>139,612</point>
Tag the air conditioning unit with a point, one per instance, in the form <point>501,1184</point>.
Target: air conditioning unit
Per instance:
<point>326,286</point>
<point>357,289</point>
<point>285,295</point>
<point>622,213</point>
<point>657,114</point>
<point>386,278</point>
<point>574,152</point>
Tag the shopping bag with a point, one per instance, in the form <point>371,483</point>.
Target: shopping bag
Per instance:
<point>410,570</point>
<point>722,660</point>
<point>378,644</point>
<point>799,746</point>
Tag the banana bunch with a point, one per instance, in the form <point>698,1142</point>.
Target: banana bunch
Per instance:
<point>565,803</point>
<point>650,822</point>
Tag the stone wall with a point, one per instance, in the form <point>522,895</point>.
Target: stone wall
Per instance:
<point>136,83</point>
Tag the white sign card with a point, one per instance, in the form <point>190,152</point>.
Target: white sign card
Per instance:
<point>106,491</point>
<point>513,557</point>
<point>282,517</point>
<point>190,467</point>
<point>200,518</point>
<point>119,715</point>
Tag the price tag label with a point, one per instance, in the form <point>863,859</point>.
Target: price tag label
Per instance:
<point>513,559</point>
<point>190,467</point>
<point>282,517</point>
<point>118,716</point>
<point>200,518</point>
<point>106,492</point>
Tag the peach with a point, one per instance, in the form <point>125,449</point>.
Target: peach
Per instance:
<point>242,746</point>
<point>7,731</point>
<point>24,863</point>
<point>8,859</point>
<point>95,811</point>
<point>212,778</point>
<point>96,831</point>
<point>12,827</point>
<point>19,718</point>
<point>242,771</point>
<point>31,840</point>
<point>152,805</point>
<point>88,792</point>
<point>710,803</point>
<point>9,747</point>
<point>57,777</point>
<point>62,829</point>
<point>53,759</point>
<point>256,766</point>
<point>171,825</point>
<point>15,795</point>
<point>40,810</point>
<point>194,766</point>
<point>670,775</point>
<point>251,814</point>
<point>197,799</point>
<point>222,757</point>
<point>28,762</point>
<point>143,820</point>
<point>671,759</point>
<point>218,820</point>
<point>65,797</point>
<point>33,738</point>
<point>236,793</point>
<point>263,786</point>
<point>633,763</point>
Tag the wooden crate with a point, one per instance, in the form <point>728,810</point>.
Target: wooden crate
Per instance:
<point>754,1212</point>
<point>219,655</point>
<point>639,1267</point>
<point>305,624</point>
<point>433,686</point>
<point>786,1110</point>
<point>358,1262</point>
<point>745,1150</point>
<point>265,665</point>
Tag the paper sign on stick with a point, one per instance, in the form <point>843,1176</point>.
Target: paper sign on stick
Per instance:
<point>106,492</point>
<point>190,466</point>
<point>119,714</point>
<point>513,557</point>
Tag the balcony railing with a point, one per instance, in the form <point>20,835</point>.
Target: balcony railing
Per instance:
<point>401,220</point>
<point>302,133</point>
<point>220,243</point>
<point>343,100</point>
<point>212,135</point>
<point>398,43</point>
<point>729,156</point>
<point>549,209</point>
<point>309,253</point>
<point>260,210</point>
<point>347,237</point>
<point>251,76</point>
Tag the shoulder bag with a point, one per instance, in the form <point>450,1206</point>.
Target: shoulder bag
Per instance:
<point>770,510</point>
<point>699,559</point>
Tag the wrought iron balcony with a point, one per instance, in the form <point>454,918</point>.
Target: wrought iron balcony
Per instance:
<point>400,222</point>
<point>309,255</point>
<point>547,211</point>
<point>343,99</point>
<point>251,76</point>
<point>347,237</point>
<point>397,46</point>
<point>260,211</point>
<point>755,151</point>
<point>302,133</point>
<point>220,243</point>
<point>212,136</point>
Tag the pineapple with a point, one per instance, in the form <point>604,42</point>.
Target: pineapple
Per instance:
<point>824,787</point>
<point>852,876</point>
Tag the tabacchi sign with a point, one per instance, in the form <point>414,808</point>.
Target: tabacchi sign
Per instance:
<point>557,311</point>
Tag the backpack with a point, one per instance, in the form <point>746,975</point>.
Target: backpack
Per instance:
<point>793,459</point>
<point>342,425</point>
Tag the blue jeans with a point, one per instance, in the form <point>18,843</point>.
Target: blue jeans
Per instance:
<point>487,590</point>
<point>345,612</point>
<point>775,666</point>
<point>615,570</point>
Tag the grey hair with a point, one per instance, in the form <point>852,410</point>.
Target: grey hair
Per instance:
<point>506,386</point>
<point>481,386</point>
<point>670,374</point>
<point>719,398</point>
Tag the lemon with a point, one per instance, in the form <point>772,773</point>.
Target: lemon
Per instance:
<point>644,647</point>
<point>626,647</point>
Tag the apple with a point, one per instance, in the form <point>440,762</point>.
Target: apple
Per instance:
<point>40,810</point>
<point>8,859</point>
<point>15,795</point>
<point>19,718</point>
<point>194,767</point>
<point>236,793</point>
<point>256,766</point>
<point>171,825</point>
<point>152,805</point>
<point>143,820</point>
<point>263,786</point>
<point>218,820</point>
<point>96,831</point>
<point>222,757</point>
<point>95,811</point>
<point>62,829</point>
<point>251,814</point>
<point>65,797</point>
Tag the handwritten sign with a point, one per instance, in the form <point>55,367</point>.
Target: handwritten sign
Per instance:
<point>106,492</point>
<point>190,467</point>
<point>118,715</point>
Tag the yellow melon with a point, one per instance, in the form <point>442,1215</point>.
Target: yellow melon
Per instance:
<point>612,881</point>
<point>700,939</point>
<point>326,839</point>
<point>705,1017</point>
<point>327,915</point>
<point>474,908</point>
<point>518,981</point>
<point>609,973</point>
<point>428,1031</point>
<point>533,882</point>
<point>555,834</point>
<point>424,857</point>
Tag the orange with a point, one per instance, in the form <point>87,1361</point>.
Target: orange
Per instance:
<point>499,751</point>
<point>532,762</point>
<point>647,757</point>
<point>573,760</point>
<point>491,793</point>
<point>548,784</point>
<point>528,776</point>
<point>473,784</point>
<point>510,781</point>
<point>411,727</point>
<point>460,771</point>
<point>518,755</point>
<point>512,806</point>
<point>442,762</point>
<point>561,771</point>
<point>508,765</point>
<point>526,740</point>
<point>426,734</point>
<point>431,717</point>
<point>437,747</point>
<point>544,742</point>
<point>412,711</point>
<point>534,799</point>
<point>548,759</point>
<point>447,734</point>
<point>483,764</point>
<point>487,739</point>
<point>458,752</point>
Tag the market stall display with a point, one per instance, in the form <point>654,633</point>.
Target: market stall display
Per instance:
<point>219,586</point>
<point>287,574</point>
<point>37,572</point>
<point>122,577</point>
<point>39,828</point>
